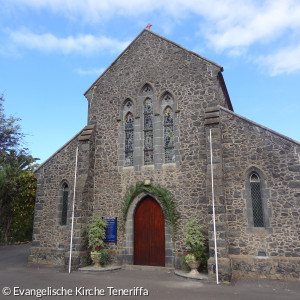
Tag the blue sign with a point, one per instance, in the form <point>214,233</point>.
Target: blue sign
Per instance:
<point>111,230</point>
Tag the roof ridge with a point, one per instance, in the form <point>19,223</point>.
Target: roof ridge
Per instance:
<point>186,49</point>
<point>161,37</point>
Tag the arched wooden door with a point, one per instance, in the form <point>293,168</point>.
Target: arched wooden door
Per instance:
<point>149,234</point>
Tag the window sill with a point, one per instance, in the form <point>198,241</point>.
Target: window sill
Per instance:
<point>148,167</point>
<point>259,230</point>
<point>128,169</point>
<point>169,165</point>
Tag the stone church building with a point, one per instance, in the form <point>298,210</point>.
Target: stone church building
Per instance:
<point>144,160</point>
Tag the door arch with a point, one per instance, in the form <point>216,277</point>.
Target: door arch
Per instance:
<point>149,233</point>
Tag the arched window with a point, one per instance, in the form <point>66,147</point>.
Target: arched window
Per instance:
<point>65,196</point>
<point>257,206</point>
<point>129,139</point>
<point>148,131</point>
<point>147,96</point>
<point>169,135</point>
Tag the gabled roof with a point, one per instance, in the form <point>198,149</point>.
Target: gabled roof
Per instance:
<point>259,125</point>
<point>161,37</point>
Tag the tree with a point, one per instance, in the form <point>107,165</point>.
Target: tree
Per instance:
<point>17,181</point>
<point>10,132</point>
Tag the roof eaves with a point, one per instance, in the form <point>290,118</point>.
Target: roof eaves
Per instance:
<point>259,125</point>
<point>114,61</point>
<point>190,51</point>
<point>62,147</point>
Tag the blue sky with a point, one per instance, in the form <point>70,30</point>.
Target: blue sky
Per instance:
<point>51,51</point>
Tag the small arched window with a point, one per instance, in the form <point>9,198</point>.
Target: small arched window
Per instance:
<point>129,139</point>
<point>65,196</point>
<point>169,135</point>
<point>257,206</point>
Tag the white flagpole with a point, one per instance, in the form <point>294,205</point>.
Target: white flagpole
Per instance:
<point>73,208</point>
<point>213,204</point>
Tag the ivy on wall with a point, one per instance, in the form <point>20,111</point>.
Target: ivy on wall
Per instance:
<point>163,196</point>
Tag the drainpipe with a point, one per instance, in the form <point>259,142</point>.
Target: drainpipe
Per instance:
<point>73,208</point>
<point>213,204</point>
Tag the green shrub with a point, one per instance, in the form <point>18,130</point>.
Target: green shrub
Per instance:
<point>195,239</point>
<point>96,234</point>
<point>194,235</point>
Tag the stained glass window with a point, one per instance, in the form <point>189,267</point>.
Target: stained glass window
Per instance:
<point>257,208</point>
<point>148,132</point>
<point>129,129</point>
<point>169,135</point>
<point>64,212</point>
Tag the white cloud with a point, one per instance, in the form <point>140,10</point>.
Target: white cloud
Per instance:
<point>90,10</point>
<point>285,60</point>
<point>48,42</point>
<point>255,24</point>
<point>227,25</point>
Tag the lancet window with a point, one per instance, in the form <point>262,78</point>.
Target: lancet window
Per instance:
<point>65,196</point>
<point>169,135</point>
<point>129,139</point>
<point>148,131</point>
<point>257,207</point>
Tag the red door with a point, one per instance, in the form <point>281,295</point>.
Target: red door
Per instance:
<point>149,234</point>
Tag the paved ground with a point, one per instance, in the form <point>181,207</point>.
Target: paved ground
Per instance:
<point>18,277</point>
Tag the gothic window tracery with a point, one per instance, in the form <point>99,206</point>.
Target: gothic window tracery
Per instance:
<point>129,139</point>
<point>169,135</point>
<point>148,131</point>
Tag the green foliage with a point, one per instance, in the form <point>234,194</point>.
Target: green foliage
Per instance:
<point>96,234</point>
<point>17,196</point>
<point>195,240</point>
<point>10,132</point>
<point>190,258</point>
<point>17,182</point>
<point>104,257</point>
<point>164,197</point>
<point>102,254</point>
<point>201,254</point>
<point>194,235</point>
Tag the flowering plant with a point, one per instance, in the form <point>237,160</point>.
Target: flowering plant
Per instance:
<point>196,243</point>
<point>190,258</point>
<point>96,249</point>
<point>96,236</point>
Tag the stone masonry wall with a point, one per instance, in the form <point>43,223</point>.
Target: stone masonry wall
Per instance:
<point>194,85</point>
<point>50,239</point>
<point>240,146</point>
<point>274,250</point>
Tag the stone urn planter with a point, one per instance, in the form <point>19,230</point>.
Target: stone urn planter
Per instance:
<point>99,257</point>
<point>195,240</point>
<point>96,257</point>
<point>194,265</point>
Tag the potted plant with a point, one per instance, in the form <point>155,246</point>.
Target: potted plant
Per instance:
<point>96,236</point>
<point>196,243</point>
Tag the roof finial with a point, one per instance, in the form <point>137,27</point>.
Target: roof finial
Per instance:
<point>148,26</point>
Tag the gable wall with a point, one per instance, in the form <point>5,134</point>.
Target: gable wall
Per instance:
<point>50,239</point>
<point>193,83</point>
